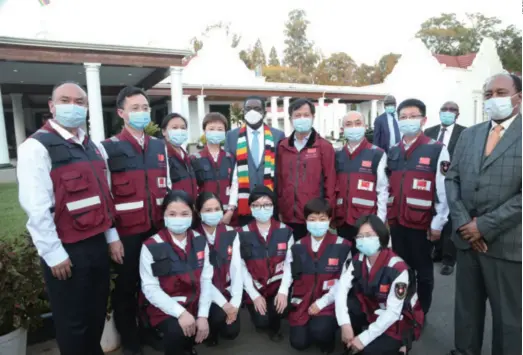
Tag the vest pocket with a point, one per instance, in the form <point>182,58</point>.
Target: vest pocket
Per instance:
<point>86,213</point>
<point>418,210</point>
<point>74,181</point>
<point>361,206</point>
<point>130,214</point>
<point>123,186</point>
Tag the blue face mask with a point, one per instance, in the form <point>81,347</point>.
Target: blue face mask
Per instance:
<point>447,118</point>
<point>302,125</point>
<point>70,115</point>
<point>368,245</point>
<point>390,109</point>
<point>139,120</point>
<point>178,225</point>
<point>318,228</point>
<point>261,214</point>
<point>177,136</point>
<point>410,126</point>
<point>354,134</point>
<point>215,137</point>
<point>212,218</point>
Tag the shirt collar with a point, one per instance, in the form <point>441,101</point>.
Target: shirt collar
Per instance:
<point>505,124</point>
<point>66,134</point>
<point>259,129</point>
<point>353,149</point>
<point>407,146</point>
<point>304,139</point>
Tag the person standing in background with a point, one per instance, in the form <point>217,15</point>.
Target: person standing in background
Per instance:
<point>386,128</point>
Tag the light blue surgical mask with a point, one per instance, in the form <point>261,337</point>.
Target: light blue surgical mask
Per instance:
<point>262,214</point>
<point>302,125</point>
<point>447,118</point>
<point>354,134</point>
<point>70,115</point>
<point>212,218</point>
<point>215,137</point>
<point>409,127</point>
<point>318,228</point>
<point>178,225</point>
<point>498,108</point>
<point>139,120</point>
<point>390,109</point>
<point>177,136</point>
<point>368,245</point>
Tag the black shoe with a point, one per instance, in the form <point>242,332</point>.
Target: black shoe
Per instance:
<point>276,337</point>
<point>447,270</point>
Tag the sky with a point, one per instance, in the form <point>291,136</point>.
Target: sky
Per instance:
<point>365,29</point>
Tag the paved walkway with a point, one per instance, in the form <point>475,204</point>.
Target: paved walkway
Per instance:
<point>437,338</point>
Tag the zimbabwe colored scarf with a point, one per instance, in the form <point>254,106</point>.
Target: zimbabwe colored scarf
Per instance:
<point>242,161</point>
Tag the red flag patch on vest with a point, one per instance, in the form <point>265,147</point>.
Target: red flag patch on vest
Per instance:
<point>422,185</point>
<point>366,163</point>
<point>365,185</point>
<point>424,161</point>
<point>384,288</point>
<point>400,290</point>
<point>444,167</point>
<point>161,157</point>
<point>333,261</point>
<point>200,255</point>
<point>282,246</point>
<point>162,182</point>
<point>327,285</point>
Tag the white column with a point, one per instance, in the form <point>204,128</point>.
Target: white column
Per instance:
<point>201,114</point>
<point>373,110</point>
<point>18,118</point>
<point>336,117</point>
<point>4,148</point>
<point>287,126</point>
<point>319,123</point>
<point>185,110</point>
<point>274,111</point>
<point>94,92</point>
<point>176,89</point>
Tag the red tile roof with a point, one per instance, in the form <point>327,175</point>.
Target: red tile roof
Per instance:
<point>458,61</point>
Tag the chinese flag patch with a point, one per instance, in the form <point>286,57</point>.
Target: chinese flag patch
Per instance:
<point>282,246</point>
<point>162,182</point>
<point>424,161</point>
<point>161,157</point>
<point>333,262</point>
<point>200,255</point>
<point>384,288</point>
<point>366,163</point>
<point>311,150</point>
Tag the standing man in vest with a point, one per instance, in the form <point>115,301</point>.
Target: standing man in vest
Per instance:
<point>305,168</point>
<point>417,208</point>
<point>362,184</point>
<point>139,178</point>
<point>63,190</point>
<point>254,146</point>
<point>386,129</point>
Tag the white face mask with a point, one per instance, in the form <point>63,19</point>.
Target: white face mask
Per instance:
<point>498,108</point>
<point>253,117</point>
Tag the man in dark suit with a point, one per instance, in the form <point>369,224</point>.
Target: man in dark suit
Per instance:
<point>254,146</point>
<point>447,133</point>
<point>484,193</point>
<point>386,129</point>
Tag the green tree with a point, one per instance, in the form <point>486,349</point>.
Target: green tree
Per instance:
<point>385,66</point>
<point>338,69</point>
<point>299,51</point>
<point>365,75</point>
<point>246,56</point>
<point>282,74</point>
<point>258,55</point>
<point>273,58</point>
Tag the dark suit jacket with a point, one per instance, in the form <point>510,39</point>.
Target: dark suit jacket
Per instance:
<point>488,188</point>
<point>433,132</point>
<point>381,132</point>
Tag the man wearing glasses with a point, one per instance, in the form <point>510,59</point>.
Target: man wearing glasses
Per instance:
<point>417,206</point>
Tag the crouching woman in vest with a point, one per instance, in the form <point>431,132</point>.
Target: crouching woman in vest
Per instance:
<point>264,244</point>
<point>224,256</point>
<point>315,264</point>
<point>176,278</point>
<point>377,292</point>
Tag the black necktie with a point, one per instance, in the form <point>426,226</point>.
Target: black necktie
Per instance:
<point>442,134</point>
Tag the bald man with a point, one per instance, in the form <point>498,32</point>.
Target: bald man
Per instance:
<point>386,129</point>
<point>63,190</point>
<point>362,183</point>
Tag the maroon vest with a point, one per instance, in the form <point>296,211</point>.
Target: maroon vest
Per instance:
<point>182,173</point>
<point>220,255</point>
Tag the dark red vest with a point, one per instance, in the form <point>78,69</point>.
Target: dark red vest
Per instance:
<point>265,260</point>
<point>182,173</point>
<point>356,182</point>
<point>138,180</point>
<point>220,255</point>
<point>373,289</point>
<point>315,274</point>
<point>83,204</point>
<point>412,183</point>
<point>177,270</point>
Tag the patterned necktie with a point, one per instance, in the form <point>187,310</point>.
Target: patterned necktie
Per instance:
<point>442,134</point>
<point>255,148</point>
<point>493,139</point>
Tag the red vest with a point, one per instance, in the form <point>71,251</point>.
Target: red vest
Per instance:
<point>412,183</point>
<point>264,260</point>
<point>83,204</point>
<point>373,289</point>
<point>220,255</point>
<point>182,173</point>
<point>315,274</point>
<point>177,270</point>
<point>356,182</point>
<point>139,182</point>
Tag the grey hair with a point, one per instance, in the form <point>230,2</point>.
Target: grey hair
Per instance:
<point>350,113</point>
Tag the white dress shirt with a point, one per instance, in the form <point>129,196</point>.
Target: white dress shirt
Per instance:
<point>261,141</point>
<point>392,133</point>
<point>156,295</point>
<point>235,274</point>
<point>382,184</point>
<point>386,317</point>
<point>448,134</point>
<point>36,195</point>
<point>248,282</point>
<point>300,144</point>
<point>441,205</point>
<point>506,124</point>
<point>322,302</point>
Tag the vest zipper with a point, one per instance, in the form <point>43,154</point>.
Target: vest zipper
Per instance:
<point>315,278</point>
<point>111,217</point>
<point>401,188</point>
<point>297,172</point>
<point>149,204</point>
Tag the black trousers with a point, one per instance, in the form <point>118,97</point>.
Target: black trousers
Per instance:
<point>349,232</point>
<point>382,345</point>
<point>175,342</point>
<point>218,326</point>
<point>125,292</point>
<point>270,321</point>
<point>445,246</point>
<point>413,246</point>
<point>480,277</point>
<point>320,330</point>
<point>79,304</point>
<point>299,230</point>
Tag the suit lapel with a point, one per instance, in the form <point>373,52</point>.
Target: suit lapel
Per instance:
<point>434,133</point>
<point>509,138</point>
<point>481,137</point>
<point>454,137</point>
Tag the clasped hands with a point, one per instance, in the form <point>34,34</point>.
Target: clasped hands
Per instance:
<point>471,234</point>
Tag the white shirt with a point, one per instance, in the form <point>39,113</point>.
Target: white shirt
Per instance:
<point>36,195</point>
<point>441,206</point>
<point>156,295</point>
<point>382,184</point>
<point>322,302</point>
<point>248,283</point>
<point>506,124</point>
<point>448,134</point>
<point>235,273</point>
<point>386,317</point>
<point>261,141</point>
<point>300,144</point>
<point>392,136</point>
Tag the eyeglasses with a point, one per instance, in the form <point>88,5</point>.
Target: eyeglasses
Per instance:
<point>259,207</point>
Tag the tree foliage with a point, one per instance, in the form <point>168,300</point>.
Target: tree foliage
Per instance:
<point>338,69</point>
<point>273,58</point>
<point>299,51</point>
<point>258,55</point>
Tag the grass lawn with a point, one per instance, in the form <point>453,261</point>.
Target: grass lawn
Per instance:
<point>13,217</point>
